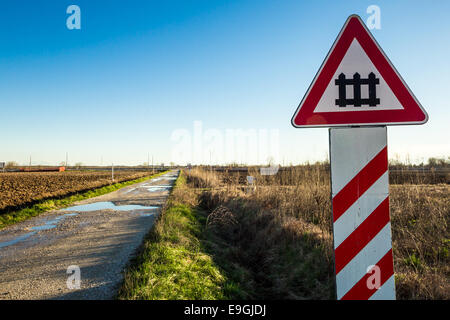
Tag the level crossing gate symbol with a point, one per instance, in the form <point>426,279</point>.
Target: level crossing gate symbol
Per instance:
<point>356,82</point>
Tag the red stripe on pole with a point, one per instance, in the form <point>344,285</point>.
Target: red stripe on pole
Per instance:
<point>362,235</point>
<point>360,183</point>
<point>361,291</point>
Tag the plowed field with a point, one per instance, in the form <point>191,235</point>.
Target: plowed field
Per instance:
<point>21,188</point>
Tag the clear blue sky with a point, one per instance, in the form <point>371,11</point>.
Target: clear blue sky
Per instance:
<point>138,70</point>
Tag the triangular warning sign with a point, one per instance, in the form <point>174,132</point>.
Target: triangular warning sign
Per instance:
<point>357,85</point>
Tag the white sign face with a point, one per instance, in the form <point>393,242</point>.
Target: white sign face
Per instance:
<point>354,62</point>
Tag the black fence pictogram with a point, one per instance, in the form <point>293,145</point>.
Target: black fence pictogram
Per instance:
<point>356,82</point>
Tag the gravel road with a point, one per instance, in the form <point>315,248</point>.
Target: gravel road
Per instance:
<point>99,235</point>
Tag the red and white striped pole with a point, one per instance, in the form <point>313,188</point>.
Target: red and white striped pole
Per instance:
<point>360,197</point>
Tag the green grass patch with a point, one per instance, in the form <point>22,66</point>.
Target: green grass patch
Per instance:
<point>53,204</point>
<point>173,263</point>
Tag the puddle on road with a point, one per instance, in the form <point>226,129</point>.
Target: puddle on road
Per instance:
<point>145,214</point>
<point>17,239</point>
<point>128,191</point>
<point>150,188</point>
<point>158,188</point>
<point>51,224</point>
<point>44,227</point>
<point>160,178</point>
<point>105,205</point>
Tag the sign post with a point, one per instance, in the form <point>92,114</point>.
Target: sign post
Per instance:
<point>361,224</point>
<point>357,93</point>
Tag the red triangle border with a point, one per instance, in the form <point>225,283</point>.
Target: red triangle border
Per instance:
<point>413,113</point>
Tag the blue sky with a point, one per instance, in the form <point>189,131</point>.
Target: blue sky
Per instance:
<point>116,90</point>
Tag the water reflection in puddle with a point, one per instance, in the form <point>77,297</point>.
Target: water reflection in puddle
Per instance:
<point>17,239</point>
<point>158,188</point>
<point>150,188</point>
<point>50,224</point>
<point>44,227</point>
<point>144,214</point>
<point>105,205</point>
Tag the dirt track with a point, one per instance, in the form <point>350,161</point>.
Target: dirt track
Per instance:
<point>100,236</point>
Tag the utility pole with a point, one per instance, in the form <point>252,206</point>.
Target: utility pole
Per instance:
<point>153,168</point>
<point>112,172</point>
<point>30,160</point>
<point>67,158</point>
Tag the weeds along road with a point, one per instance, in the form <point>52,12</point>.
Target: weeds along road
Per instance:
<point>99,235</point>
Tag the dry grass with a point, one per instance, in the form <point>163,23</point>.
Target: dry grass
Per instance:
<point>269,240</point>
<point>276,239</point>
<point>421,240</point>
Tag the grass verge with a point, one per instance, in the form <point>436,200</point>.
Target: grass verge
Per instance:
<point>173,262</point>
<point>53,204</point>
